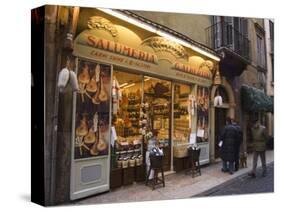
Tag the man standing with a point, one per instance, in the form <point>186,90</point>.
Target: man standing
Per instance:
<point>228,138</point>
<point>238,143</point>
<point>260,137</point>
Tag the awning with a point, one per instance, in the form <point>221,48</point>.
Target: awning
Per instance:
<point>253,99</point>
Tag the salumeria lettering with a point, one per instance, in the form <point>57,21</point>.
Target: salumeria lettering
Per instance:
<point>118,48</point>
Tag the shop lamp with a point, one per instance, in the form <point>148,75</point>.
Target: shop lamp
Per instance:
<point>158,32</point>
<point>218,100</point>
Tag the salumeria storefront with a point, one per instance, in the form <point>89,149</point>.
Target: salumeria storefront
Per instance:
<point>137,79</point>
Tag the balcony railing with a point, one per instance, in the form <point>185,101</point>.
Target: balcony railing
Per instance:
<point>223,34</point>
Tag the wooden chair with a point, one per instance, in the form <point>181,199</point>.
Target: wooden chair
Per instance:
<point>156,164</point>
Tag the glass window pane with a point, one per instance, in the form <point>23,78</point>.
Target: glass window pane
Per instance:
<point>184,109</point>
<point>202,114</point>
<point>158,95</point>
<point>126,104</point>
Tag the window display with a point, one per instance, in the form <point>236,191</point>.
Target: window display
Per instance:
<point>126,106</point>
<point>92,110</point>
<point>182,119</point>
<point>157,95</point>
<point>202,114</point>
<point>142,104</point>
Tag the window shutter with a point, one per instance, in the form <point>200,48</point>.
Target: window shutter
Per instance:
<point>244,31</point>
<point>244,27</point>
<point>263,52</point>
<point>217,31</point>
<point>228,32</point>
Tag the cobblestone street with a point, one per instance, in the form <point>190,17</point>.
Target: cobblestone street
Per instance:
<point>245,185</point>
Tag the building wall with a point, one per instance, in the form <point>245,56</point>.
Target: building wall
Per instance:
<point>50,88</point>
<point>269,77</point>
<point>269,84</point>
<point>190,25</point>
<point>57,111</point>
<point>250,75</point>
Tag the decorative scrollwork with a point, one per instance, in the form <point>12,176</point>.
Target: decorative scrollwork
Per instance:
<point>208,64</point>
<point>163,44</point>
<point>102,23</point>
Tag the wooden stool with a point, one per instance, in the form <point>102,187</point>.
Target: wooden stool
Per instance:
<point>194,162</point>
<point>156,164</point>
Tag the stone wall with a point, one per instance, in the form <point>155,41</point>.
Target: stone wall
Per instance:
<point>190,25</point>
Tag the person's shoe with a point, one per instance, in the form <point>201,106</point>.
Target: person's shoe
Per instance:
<point>230,172</point>
<point>252,175</point>
<point>223,170</point>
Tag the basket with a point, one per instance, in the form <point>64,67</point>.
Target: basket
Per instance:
<point>125,164</point>
<point>139,161</point>
<point>132,163</point>
<point>119,163</point>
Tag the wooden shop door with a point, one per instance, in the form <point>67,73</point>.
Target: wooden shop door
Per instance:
<point>90,162</point>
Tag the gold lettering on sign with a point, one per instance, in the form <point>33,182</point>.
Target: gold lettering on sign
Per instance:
<point>119,59</point>
<point>121,49</point>
<point>188,69</point>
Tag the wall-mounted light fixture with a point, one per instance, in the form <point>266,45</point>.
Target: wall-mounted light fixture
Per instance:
<point>218,100</point>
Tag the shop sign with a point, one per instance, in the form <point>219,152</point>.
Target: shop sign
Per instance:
<point>188,69</point>
<point>192,78</point>
<point>121,49</point>
<point>88,45</point>
<point>118,59</point>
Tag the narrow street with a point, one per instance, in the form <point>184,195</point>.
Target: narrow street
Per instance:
<point>244,184</point>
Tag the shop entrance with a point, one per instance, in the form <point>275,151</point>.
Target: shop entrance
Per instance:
<point>221,113</point>
<point>220,119</point>
<point>158,96</point>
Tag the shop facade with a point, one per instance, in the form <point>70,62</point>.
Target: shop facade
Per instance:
<point>137,81</point>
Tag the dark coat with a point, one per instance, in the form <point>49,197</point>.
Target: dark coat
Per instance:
<point>229,138</point>
<point>239,137</point>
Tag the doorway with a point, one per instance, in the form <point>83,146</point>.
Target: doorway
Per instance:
<point>220,119</point>
<point>91,130</point>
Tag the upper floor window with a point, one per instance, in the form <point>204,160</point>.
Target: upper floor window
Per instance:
<point>272,65</point>
<point>271,29</point>
<point>271,34</point>
<point>230,32</point>
<point>260,51</point>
